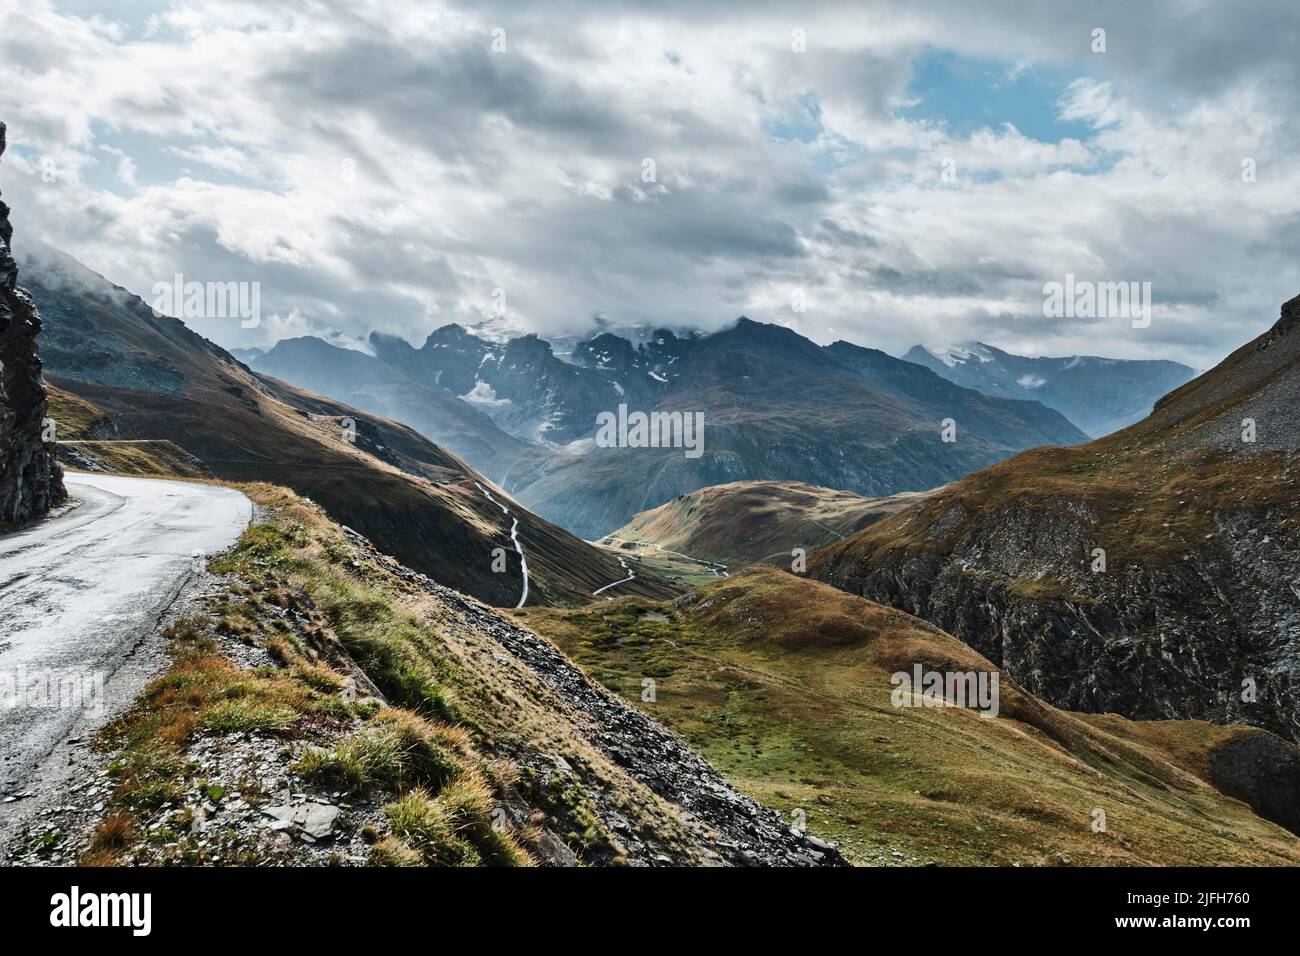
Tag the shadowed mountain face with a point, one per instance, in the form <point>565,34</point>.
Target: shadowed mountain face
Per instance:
<point>775,406</point>
<point>155,379</point>
<point>1099,395</point>
<point>376,386</point>
<point>1152,573</point>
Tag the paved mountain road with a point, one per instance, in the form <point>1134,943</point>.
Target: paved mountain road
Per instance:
<point>514,536</point>
<point>79,591</point>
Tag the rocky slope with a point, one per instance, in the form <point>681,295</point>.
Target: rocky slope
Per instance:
<point>747,521</point>
<point>1154,573</point>
<point>151,378</point>
<point>30,478</point>
<point>1100,395</point>
<point>526,387</point>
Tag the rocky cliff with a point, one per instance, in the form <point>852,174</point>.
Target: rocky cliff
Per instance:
<point>30,480</point>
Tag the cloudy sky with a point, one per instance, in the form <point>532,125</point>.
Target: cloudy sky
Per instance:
<point>913,172</point>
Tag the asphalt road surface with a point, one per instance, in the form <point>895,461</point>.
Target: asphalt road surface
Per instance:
<point>80,590</point>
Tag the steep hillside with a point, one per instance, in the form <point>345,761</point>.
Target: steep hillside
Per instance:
<point>155,379</point>
<point>786,686</point>
<point>1100,395</point>
<point>88,441</point>
<point>1195,612</point>
<point>747,521</point>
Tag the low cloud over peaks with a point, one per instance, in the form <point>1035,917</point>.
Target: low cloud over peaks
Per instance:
<point>885,173</point>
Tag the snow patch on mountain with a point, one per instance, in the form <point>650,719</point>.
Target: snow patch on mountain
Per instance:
<point>953,355</point>
<point>483,394</point>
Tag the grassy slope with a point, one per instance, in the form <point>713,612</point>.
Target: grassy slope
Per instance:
<point>82,430</point>
<point>747,521</point>
<point>462,734</point>
<point>783,684</point>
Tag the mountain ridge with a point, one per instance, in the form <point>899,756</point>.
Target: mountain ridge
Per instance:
<point>1099,395</point>
<point>747,521</point>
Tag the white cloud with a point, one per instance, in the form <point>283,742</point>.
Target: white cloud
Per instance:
<point>125,165</point>
<point>376,166</point>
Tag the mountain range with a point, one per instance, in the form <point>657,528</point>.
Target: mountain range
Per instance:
<point>1100,395</point>
<point>776,406</point>
<point>785,684</point>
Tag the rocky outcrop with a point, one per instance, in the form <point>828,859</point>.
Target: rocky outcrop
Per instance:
<point>1214,635</point>
<point>30,480</point>
<point>1263,772</point>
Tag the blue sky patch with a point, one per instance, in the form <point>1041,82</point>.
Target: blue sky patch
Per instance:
<point>966,94</point>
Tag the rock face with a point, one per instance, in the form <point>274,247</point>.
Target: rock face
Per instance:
<point>30,480</point>
<point>1178,641</point>
<point>1264,772</point>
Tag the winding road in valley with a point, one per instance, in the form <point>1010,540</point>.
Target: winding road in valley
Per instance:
<point>630,575</point>
<point>514,536</point>
<point>79,591</point>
